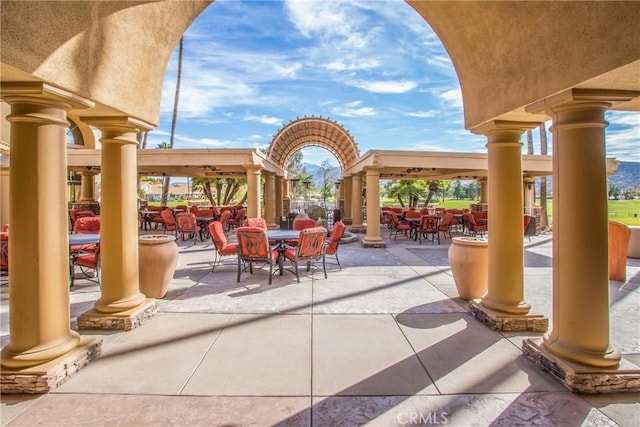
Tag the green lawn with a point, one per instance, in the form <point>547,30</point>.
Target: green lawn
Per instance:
<point>624,211</point>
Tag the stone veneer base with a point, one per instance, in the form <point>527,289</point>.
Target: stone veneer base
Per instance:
<point>124,321</point>
<point>47,376</point>
<point>508,322</point>
<point>380,244</point>
<point>580,378</point>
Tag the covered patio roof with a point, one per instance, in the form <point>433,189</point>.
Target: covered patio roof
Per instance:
<point>211,163</point>
<point>441,165</point>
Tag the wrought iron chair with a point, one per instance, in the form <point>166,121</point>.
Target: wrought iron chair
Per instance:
<point>223,248</point>
<point>334,241</point>
<point>187,225</point>
<point>445,224</point>
<point>253,247</point>
<point>473,227</point>
<point>86,260</point>
<point>398,227</point>
<point>169,221</point>
<point>429,227</point>
<point>310,249</point>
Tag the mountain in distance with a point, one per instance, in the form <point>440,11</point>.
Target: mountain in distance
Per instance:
<point>627,175</point>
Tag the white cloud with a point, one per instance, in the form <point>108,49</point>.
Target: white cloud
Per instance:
<point>386,86</point>
<point>354,109</point>
<point>264,120</point>
<point>423,114</point>
<point>453,97</point>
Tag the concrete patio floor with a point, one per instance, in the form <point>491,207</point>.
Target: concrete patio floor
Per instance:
<point>383,342</point>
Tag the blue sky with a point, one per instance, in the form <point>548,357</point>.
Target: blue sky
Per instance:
<point>377,68</point>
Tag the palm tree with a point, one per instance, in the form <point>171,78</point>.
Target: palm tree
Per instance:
<point>174,120</point>
<point>544,215</point>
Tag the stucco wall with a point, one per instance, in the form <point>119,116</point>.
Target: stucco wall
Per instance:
<point>510,54</point>
<point>114,53</point>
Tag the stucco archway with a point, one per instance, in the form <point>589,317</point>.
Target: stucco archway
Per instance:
<point>317,131</point>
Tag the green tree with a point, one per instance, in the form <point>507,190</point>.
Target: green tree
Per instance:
<point>614,191</point>
<point>459,192</point>
<point>327,177</point>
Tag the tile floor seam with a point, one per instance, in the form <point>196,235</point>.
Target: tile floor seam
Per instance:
<point>311,396</point>
<point>204,354</point>
<point>415,353</point>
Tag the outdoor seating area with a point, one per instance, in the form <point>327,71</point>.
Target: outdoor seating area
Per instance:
<point>383,338</point>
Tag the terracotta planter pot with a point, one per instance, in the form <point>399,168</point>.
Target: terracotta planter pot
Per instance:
<point>158,257</point>
<point>469,261</point>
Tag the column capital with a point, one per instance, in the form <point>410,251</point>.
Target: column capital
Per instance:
<point>89,171</point>
<point>570,97</point>
<point>122,124</point>
<point>252,168</point>
<point>504,127</point>
<point>41,93</point>
<point>372,169</point>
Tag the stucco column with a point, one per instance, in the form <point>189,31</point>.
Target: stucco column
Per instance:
<point>580,329</point>
<point>356,203</point>
<point>484,190</point>
<point>87,186</point>
<point>39,327</point>
<point>286,199</point>
<point>528,186</point>
<point>253,191</point>
<point>347,181</point>
<point>270,200</point>
<point>118,216</point>
<point>4,189</point>
<point>373,238</point>
<point>506,243</point>
<point>279,198</point>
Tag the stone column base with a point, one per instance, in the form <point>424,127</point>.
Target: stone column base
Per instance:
<point>361,229</point>
<point>47,376</point>
<point>508,322</point>
<point>123,321</point>
<point>372,244</point>
<point>581,378</point>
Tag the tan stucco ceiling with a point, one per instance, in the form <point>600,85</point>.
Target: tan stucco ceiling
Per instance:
<point>441,165</point>
<point>211,163</point>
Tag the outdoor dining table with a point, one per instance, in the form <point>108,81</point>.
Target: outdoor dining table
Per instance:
<point>203,222</point>
<point>76,239</point>
<point>280,237</point>
<point>83,239</point>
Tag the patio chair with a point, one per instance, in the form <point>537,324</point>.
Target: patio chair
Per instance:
<point>255,222</point>
<point>74,214</point>
<point>527,221</point>
<point>4,248</point>
<point>473,227</point>
<point>253,247</point>
<point>429,227</point>
<point>224,218</point>
<point>398,227</point>
<point>87,225</point>
<point>86,260</point>
<point>155,218</point>
<point>334,242</point>
<point>303,223</point>
<point>310,249</point>
<point>237,219</point>
<point>223,248</point>
<point>445,224</point>
<point>169,221</point>
<point>187,225</point>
